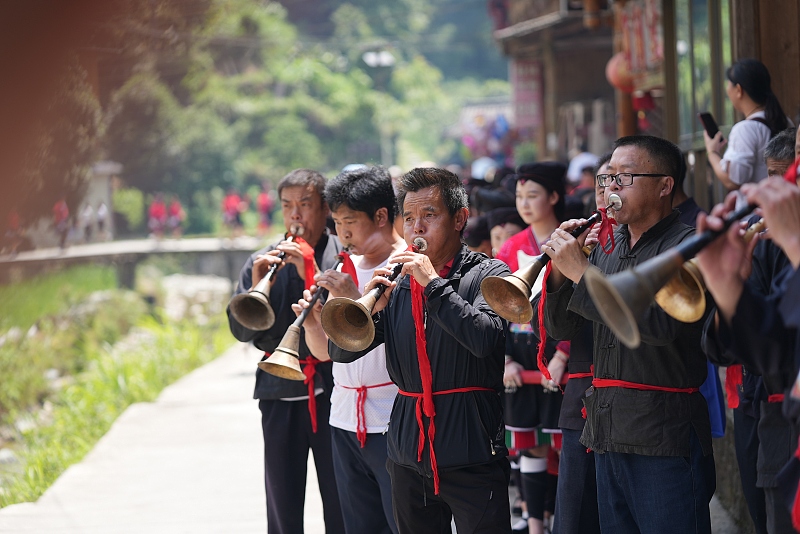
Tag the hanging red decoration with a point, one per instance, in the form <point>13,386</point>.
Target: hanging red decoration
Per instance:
<point>618,73</point>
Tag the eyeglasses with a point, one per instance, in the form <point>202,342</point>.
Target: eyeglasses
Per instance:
<point>623,179</point>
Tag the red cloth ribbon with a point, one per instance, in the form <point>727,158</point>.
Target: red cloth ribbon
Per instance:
<point>541,360</point>
<point>776,397</point>
<point>349,268</point>
<point>309,369</point>
<point>428,408</point>
<point>606,233</point>
<point>796,503</point>
<point>421,397</point>
<point>614,383</point>
<point>361,420</point>
<point>308,261</point>
<point>791,173</point>
<point>733,381</point>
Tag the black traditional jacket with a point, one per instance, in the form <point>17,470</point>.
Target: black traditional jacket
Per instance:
<point>465,345</point>
<point>758,338</point>
<point>286,290</point>
<point>651,423</point>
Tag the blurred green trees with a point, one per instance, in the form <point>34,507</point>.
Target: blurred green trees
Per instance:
<point>203,95</point>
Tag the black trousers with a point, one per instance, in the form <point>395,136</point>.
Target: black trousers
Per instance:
<point>475,496</point>
<point>745,437</point>
<point>287,440</point>
<point>576,496</point>
<point>365,489</point>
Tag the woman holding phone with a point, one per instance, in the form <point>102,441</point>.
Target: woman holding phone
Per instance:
<point>748,88</point>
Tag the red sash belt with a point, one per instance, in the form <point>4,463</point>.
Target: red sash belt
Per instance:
<point>309,369</point>
<point>613,383</point>
<point>361,420</point>
<point>777,397</point>
<point>580,375</point>
<point>432,428</point>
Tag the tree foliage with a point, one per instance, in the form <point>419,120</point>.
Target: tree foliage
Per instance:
<point>202,95</point>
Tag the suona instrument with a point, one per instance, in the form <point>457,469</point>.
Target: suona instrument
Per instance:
<point>510,296</point>
<point>624,296</point>
<point>285,359</point>
<point>683,297</point>
<point>253,309</point>
<point>348,323</point>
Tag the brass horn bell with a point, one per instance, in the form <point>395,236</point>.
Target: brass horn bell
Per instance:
<point>623,296</point>
<point>285,360</point>
<point>253,309</point>
<point>348,322</point>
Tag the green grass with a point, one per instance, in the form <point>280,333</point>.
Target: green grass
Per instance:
<point>26,302</point>
<point>114,379</point>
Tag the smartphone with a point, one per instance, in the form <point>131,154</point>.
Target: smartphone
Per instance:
<point>709,124</point>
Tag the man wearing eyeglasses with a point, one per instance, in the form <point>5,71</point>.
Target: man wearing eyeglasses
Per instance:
<point>645,418</point>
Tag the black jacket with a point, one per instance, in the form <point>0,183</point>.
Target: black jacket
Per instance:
<point>465,344</point>
<point>651,423</point>
<point>286,290</point>
<point>757,338</point>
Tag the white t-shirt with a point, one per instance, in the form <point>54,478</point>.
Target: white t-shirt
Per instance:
<point>370,370</point>
<point>744,157</point>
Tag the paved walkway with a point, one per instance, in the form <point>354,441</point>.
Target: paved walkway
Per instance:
<point>189,462</point>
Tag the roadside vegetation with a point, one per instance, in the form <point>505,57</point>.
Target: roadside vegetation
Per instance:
<point>68,372</point>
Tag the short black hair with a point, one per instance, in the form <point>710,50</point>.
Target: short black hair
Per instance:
<point>602,160</point>
<point>367,189</point>
<point>453,193</point>
<point>781,147</point>
<point>667,156</point>
<point>304,178</point>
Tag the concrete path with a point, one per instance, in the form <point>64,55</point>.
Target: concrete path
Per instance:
<point>189,462</point>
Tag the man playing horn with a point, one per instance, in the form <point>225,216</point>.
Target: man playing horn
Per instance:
<point>444,350</point>
<point>645,418</point>
<point>294,415</point>
<point>363,205</point>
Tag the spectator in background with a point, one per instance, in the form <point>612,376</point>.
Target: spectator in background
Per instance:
<point>581,200</point>
<point>476,235</point>
<point>157,216</point>
<point>531,412</point>
<point>748,88</point>
<point>13,236</point>
<point>61,221</point>
<point>87,222</point>
<point>175,217</point>
<point>265,205</point>
<point>232,208</point>
<point>497,194</point>
<point>577,168</point>
<point>102,218</point>
<point>503,224</point>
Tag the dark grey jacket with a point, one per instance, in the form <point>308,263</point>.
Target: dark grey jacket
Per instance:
<point>465,344</point>
<point>286,290</point>
<point>651,423</point>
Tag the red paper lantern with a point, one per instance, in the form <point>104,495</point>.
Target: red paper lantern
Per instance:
<point>618,74</point>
